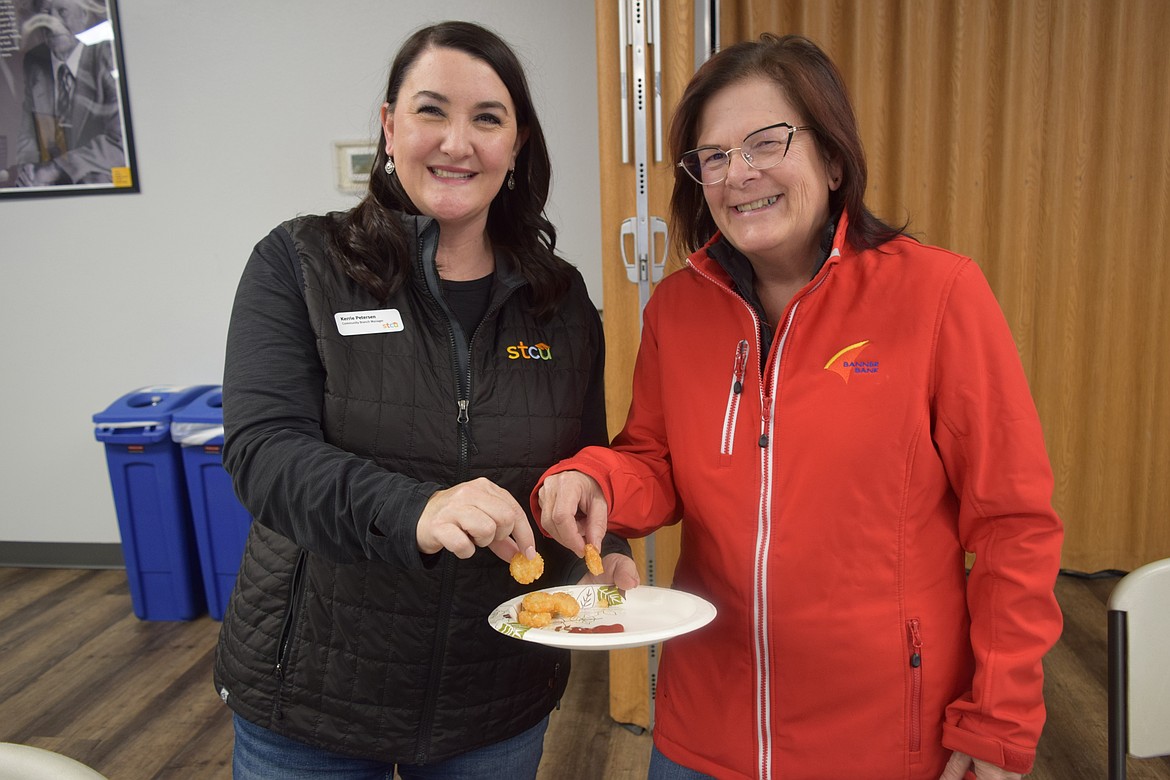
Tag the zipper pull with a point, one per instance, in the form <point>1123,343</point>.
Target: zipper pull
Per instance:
<point>740,366</point>
<point>764,413</point>
<point>916,643</point>
<point>464,420</point>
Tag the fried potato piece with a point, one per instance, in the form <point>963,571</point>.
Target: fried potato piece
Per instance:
<point>539,601</point>
<point>534,619</point>
<point>539,608</point>
<point>565,605</point>
<point>525,571</point>
<point>593,560</point>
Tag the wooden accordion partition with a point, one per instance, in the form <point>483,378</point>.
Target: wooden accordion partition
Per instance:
<point>1031,135</point>
<point>630,669</point>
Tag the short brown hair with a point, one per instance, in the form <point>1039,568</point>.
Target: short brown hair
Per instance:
<point>813,84</point>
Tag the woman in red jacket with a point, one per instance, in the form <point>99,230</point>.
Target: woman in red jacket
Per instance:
<point>838,414</point>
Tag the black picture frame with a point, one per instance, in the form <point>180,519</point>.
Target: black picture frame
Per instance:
<point>85,144</point>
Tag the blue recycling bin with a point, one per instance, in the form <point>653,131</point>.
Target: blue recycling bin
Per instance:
<point>221,522</point>
<point>150,496</point>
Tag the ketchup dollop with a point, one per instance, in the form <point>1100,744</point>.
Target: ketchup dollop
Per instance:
<point>615,628</point>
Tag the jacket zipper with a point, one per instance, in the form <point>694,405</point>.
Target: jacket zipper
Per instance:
<point>764,527</point>
<point>463,403</point>
<point>463,398</point>
<point>283,647</point>
<point>461,357</point>
<point>915,639</point>
<point>763,668</point>
<point>761,589</point>
<point>763,547</point>
<point>738,372</point>
<point>463,418</point>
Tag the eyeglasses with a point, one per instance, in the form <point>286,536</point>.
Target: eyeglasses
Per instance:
<point>762,149</point>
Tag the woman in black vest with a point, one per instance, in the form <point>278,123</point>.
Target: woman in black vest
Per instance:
<point>397,377</point>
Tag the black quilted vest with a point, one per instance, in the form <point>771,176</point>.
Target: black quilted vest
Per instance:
<point>368,658</point>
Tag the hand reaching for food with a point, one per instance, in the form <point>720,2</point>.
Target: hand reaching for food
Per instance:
<point>474,514</point>
<point>616,569</point>
<point>572,509</point>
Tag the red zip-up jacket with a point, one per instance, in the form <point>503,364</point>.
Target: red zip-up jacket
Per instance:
<point>828,498</point>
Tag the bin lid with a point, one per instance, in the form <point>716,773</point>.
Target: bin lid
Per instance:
<point>200,422</point>
<point>207,407</point>
<point>154,404</point>
<point>143,416</point>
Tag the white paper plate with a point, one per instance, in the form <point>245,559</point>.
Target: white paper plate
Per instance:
<point>646,615</point>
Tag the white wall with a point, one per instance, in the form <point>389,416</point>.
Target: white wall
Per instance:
<point>235,106</point>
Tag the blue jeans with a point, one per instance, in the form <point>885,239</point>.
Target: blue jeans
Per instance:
<point>662,768</point>
<point>260,754</point>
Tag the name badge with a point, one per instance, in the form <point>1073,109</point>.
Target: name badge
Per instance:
<point>357,323</point>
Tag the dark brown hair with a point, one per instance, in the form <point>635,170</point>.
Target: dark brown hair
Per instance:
<point>370,242</point>
<point>813,84</point>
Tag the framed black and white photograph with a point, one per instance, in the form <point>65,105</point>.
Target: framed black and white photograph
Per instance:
<point>64,113</point>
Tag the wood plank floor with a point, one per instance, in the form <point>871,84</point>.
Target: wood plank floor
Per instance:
<point>79,674</point>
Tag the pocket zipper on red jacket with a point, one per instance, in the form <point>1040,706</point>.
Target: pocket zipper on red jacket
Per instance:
<point>738,372</point>
<point>915,685</point>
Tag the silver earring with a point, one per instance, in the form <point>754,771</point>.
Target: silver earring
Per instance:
<point>390,167</point>
<point>512,179</point>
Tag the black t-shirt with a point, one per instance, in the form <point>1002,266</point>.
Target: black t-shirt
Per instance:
<point>468,301</point>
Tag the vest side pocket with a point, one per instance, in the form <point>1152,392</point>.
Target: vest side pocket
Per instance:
<point>284,646</point>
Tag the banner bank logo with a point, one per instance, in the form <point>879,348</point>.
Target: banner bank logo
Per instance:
<point>848,362</point>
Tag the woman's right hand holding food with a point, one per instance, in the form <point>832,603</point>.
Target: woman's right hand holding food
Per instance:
<point>573,509</point>
<point>478,513</point>
<point>574,513</point>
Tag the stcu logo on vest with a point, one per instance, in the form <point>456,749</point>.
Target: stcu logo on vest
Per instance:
<point>848,362</point>
<point>522,351</point>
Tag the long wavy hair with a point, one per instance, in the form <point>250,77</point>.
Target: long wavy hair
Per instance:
<point>813,84</point>
<point>370,242</point>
